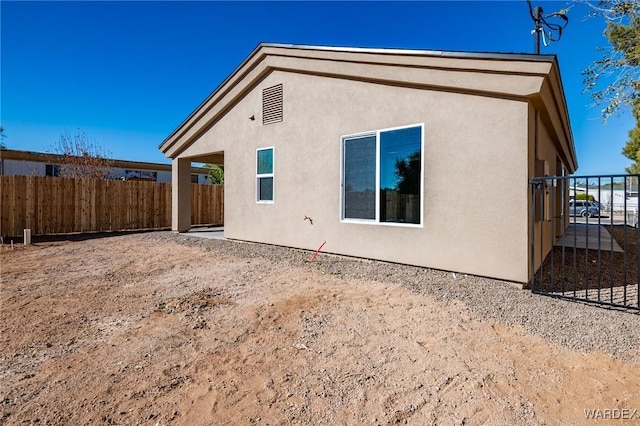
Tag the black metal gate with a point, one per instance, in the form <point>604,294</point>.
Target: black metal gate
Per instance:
<point>585,240</point>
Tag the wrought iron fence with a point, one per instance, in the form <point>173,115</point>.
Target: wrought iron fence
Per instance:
<point>585,240</point>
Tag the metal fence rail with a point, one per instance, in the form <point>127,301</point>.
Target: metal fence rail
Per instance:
<point>585,240</point>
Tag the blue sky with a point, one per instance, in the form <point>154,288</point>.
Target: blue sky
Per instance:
<point>128,73</point>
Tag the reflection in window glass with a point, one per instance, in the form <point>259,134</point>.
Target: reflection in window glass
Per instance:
<point>384,170</point>
<point>264,175</point>
<point>266,189</point>
<point>265,161</point>
<point>360,178</point>
<point>400,153</point>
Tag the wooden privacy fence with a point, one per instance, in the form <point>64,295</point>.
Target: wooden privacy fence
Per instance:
<point>49,205</point>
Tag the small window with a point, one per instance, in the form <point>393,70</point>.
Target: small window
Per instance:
<point>264,175</point>
<point>52,170</point>
<point>382,174</point>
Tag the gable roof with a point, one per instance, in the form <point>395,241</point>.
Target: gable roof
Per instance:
<point>504,75</point>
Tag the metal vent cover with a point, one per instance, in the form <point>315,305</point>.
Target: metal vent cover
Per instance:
<point>272,104</point>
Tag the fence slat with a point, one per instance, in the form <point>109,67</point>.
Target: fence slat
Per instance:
<point>7,187</point>
<point>46,206</point>
<point>20,197</point>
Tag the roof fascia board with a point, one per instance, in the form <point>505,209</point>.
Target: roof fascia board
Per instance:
<point>287,50</point>
<point>249,63</point>
<point>553,73</point>
<point>528,57</point>
<point>270,58</point>
<point>553,90</point>
<point>552,114</point>
<point>202,119</point>
<point>479,64</point>
<point>561,101</point>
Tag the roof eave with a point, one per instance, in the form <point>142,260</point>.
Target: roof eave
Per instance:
<point>167,143</point>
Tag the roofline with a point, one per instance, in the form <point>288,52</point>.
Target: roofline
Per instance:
<point>385,51</point>
<point>212,94</point>
<point>413,52</point>
<point>20,155</point>
<point>574,153</point>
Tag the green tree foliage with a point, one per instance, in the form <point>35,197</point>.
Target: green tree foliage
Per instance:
<point>583,196</point>
<point>632,149</point>
<point>216,174</point>
<point>614,80</point>
<point>408,173</point>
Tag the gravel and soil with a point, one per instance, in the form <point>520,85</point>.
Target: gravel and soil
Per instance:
<point>159,328</point>
<point>602,275</point>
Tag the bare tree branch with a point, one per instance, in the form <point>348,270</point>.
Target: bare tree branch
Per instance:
<point>614,80</point>
<point>81,158</point>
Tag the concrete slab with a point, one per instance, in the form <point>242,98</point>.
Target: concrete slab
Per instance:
<point>213,232</point>
<point>588,236</point>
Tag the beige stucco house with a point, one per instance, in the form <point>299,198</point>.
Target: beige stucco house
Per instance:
<point>416,157</point>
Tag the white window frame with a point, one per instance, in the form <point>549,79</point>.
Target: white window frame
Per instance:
<point>376,221</point>
<point>266,175</point>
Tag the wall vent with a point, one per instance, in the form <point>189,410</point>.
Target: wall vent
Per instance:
<point>272,104</point>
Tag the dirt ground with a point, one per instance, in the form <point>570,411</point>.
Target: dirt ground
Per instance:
<point>132,330</point>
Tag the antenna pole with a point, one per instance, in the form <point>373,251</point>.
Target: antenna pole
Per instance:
<point>541,22</point>
<point>537,19</point>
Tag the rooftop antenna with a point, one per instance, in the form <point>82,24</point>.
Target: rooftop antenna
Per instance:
<point>545,27</point>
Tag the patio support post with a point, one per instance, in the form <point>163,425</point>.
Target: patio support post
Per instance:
<point>180,194</point>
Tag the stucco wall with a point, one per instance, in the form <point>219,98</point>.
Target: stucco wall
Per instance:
<point>475,168</point>
<point>545,149</point>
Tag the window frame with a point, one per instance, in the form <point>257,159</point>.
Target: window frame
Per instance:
<point>55,170</point>
<point>271,175</point>
<point>377,221</point>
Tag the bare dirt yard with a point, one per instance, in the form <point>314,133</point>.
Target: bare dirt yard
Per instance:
<point>159,329</point>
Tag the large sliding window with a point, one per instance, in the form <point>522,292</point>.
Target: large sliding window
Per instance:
<point>264,175</point>
<point>382,176</point>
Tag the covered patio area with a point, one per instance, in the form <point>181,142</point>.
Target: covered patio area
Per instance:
<point>591,236</point>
